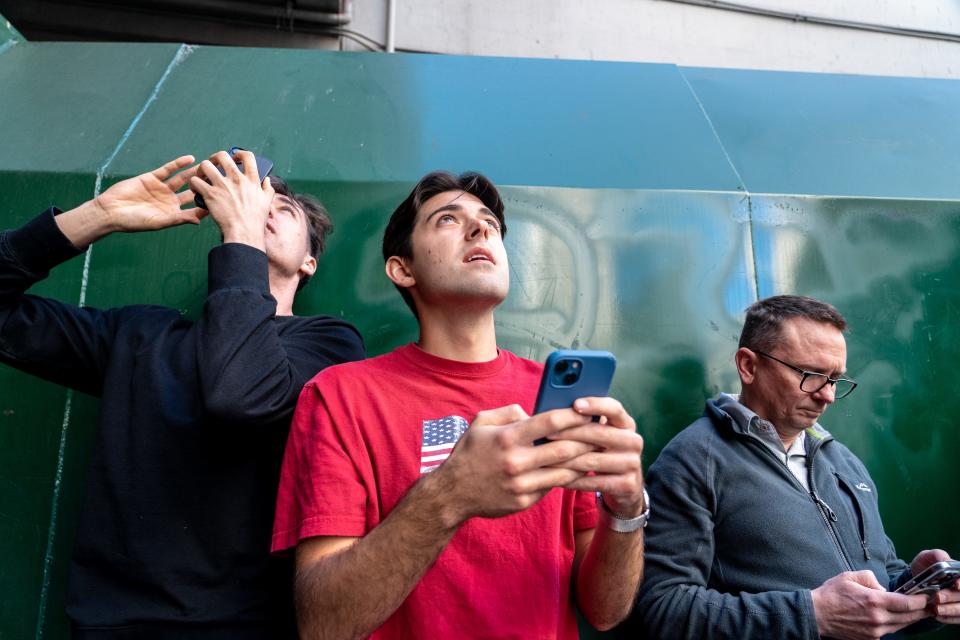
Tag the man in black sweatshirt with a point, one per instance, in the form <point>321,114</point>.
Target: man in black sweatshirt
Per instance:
<point>174,535</point>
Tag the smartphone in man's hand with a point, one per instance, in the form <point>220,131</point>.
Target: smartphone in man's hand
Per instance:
<point>569,374</point>
<point>264,167</point>
<point>939,575</point>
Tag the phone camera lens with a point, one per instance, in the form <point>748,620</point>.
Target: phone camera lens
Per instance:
<point>561,366</point>
<point>569,379</point>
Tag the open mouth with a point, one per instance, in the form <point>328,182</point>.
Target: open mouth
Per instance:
<point>479,255</point>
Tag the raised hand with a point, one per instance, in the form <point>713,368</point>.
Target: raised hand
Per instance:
<point>238,200</point>
<point>151,200</point>
<point>147,202</point>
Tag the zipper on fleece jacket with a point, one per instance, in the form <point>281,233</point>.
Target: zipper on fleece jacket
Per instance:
<point>827,514</point>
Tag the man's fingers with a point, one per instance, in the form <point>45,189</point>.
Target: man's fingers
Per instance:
<point>226,163</point>
<point>606,483</point>
<point>543,424</point>
<point>185,197</point>
<point>896,621</point>
<point>898,603</point>
<point>945,605</point>
<point>249,164</point>
<point>950,594</point>
<point>540,480</point>
<point>199,185</point>
<point>609,408</point>
<point>926,558</point>
<point>602,462</point>
<point>946,613</point>
<point>210,172</point>
<point>194,215</point>
<point>864,578</point>
<point>602,436</point>
<point>557,454</point>
<point>500,416</point>
<point>176,182</point>
<point>199,213</point>
<point>167,170</point>
<point>901,619</point>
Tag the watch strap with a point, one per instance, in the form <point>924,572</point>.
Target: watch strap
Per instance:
<point>620,524</point>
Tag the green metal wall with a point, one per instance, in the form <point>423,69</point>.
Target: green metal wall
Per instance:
<point>648,205</point>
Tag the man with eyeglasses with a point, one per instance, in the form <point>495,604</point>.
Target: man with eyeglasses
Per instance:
<point>767,527</point>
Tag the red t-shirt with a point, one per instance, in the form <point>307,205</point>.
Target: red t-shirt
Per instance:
<point>364,432</point>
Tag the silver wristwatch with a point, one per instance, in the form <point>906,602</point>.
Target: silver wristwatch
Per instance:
<point>617,522</point>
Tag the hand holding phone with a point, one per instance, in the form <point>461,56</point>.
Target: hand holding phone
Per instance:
<point>571,374</point>
<point>264,167</point>
<point>939,575</point>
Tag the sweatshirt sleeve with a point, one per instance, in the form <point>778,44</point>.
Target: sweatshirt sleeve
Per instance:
<point>674,600</point>
<point>251,364</point>
<point>56,341</point>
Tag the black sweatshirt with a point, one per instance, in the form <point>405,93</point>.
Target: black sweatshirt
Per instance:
<point>176,519</point>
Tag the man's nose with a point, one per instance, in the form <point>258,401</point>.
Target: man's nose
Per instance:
<point>827,393</point>
<point>478,226</point>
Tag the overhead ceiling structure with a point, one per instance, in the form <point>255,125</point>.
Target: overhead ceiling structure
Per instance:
<point>306,24</point>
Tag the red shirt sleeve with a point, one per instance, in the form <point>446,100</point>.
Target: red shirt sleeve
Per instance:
<point>320,493</point>
<point>585,511</point>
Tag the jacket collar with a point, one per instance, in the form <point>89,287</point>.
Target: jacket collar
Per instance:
<point>726,410</point>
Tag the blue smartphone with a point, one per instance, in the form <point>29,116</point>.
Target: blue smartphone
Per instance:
<point>264,167</point>
<point>569,374</point>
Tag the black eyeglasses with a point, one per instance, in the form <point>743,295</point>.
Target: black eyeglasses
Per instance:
<point>811,382</point>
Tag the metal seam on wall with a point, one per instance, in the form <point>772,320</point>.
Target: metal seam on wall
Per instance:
<point>14,36</point>
<point>182,52</point>
<point>753,249</point>
<point>713,130</point>
<point>743,184</point>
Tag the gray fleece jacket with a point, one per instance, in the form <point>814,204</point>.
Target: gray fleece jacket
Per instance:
<point>735,543</point>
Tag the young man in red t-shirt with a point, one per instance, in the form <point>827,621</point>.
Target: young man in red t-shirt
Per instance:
<point>401,534</point>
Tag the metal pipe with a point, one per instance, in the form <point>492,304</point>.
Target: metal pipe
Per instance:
<point>821,20</point>
<point>391,26</point>
<point>241,10</point>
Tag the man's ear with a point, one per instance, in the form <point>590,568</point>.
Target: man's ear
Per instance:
<point>746,365</point>
<point>308,268</point>
<point>399,272</point>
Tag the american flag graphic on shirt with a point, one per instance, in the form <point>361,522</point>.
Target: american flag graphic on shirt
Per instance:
<point>439,438</point>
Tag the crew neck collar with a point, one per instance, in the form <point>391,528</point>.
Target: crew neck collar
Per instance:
<point>425,360</point>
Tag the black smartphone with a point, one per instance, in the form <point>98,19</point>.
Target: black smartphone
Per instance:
<point>569,374</point>
<point>264,167</point>
<point>939,575</point>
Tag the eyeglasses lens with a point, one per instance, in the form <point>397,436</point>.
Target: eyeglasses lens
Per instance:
<point>813,382</point>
